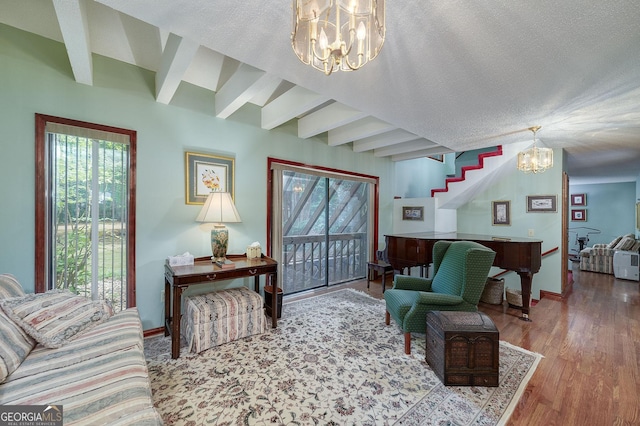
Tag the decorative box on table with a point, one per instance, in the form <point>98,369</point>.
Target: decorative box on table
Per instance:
<point>463,348</point>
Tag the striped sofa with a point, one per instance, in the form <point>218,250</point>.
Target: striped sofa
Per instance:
<point>99,377</point>
<point>599,257</point>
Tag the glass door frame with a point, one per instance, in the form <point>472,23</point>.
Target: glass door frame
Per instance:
<point>274,203</point>
<point>43,192</point>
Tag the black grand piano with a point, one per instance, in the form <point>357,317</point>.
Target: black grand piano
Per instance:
<point>522,255</point>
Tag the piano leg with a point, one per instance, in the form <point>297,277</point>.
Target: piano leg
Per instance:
<point>525,283</point>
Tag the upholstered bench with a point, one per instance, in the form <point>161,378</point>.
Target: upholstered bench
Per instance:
<point>212,319</point>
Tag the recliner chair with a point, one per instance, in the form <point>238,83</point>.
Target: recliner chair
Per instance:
<point>460,271</point>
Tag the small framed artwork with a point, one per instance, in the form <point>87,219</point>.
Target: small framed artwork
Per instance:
<point>412,213</point>
<point>501,212</point>
<point>542,203</point>
<point>578,199</point>
<point>579,215</point>
<point>207,173</point>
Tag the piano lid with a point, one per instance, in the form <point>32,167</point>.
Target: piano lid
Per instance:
<point>463,236</point>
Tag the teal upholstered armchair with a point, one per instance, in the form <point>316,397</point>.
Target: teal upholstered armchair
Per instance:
<point>460,272</point>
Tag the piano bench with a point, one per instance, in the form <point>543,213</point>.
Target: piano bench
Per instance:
<point>379,267</point>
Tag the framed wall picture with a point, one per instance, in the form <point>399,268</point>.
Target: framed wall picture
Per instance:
<point>412,213</point>
<point>501,212</point>
<point>207,173</point>
<point>578,199</point>
<point>579,215</point>
<point>542,203</point>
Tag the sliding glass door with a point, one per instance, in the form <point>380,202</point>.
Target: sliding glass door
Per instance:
<point>325,228</point>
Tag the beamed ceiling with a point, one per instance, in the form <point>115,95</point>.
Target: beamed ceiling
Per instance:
<point>452,76</point>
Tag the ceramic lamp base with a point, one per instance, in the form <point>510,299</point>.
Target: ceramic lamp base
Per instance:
<point>219,242</point>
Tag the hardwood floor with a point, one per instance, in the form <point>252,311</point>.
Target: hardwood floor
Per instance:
<point>590,341</point>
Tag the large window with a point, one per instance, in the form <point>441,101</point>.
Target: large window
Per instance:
<point>85,209</point>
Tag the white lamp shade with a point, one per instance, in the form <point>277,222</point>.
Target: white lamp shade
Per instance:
<point>219,208</point>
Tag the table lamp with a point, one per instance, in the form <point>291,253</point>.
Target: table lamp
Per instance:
<point>219,209</point>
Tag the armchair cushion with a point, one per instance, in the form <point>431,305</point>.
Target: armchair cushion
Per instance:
<point>405,282</point>
<point>440,299</point>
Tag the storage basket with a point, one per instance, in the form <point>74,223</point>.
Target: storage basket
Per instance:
<point>493,291</point>
<point>514,297</point>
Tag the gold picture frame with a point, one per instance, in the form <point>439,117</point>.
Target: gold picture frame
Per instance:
<point>205,173</point>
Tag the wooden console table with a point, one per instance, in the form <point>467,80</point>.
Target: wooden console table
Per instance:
<point>178,278</point>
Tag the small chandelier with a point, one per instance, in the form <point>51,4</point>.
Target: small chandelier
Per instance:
<point>535,159</point>
<point>333,35</point>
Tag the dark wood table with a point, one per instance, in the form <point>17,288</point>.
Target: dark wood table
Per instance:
<point>178,278</point>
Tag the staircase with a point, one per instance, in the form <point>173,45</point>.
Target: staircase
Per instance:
<point>491,168</point>
<point>465,169</point>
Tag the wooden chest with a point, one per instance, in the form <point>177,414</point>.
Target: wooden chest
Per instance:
<point>463,348</point>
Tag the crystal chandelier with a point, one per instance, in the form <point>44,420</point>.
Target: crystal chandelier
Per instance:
<point>333,35</point>
<point>535,159</point>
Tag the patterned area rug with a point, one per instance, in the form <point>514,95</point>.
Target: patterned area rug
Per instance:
<point>331,361</point>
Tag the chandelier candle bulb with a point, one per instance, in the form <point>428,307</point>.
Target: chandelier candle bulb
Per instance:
<point>342,43</point>
<point>534,159</point>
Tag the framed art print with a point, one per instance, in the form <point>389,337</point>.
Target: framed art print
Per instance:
<point>412,213</point>
<point>501,212</point>
<point>578,199</point>
<point>207,173</point>
<point>542,203</point>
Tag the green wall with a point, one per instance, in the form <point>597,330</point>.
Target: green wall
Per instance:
<point>476,217</point>
<point>416,178</point>
<point>36,77</point>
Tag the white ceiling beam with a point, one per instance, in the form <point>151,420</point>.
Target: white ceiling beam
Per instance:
<point>176,58</point>
<point>327,118</point>
<point>72,18</point>
<point>205,69</point>
<point>263,96</point>
<point>289,105</point>
<point>243,85</point>
<point>389,138</point>
<point>401,148</point>
<point>420,154</point>
<point>363,128</point>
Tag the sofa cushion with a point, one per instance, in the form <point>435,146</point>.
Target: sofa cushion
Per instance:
<point>15,345</point>
<point>122,331</point>
<point>615,242</point>
<point>625,244</point>
<point>109,389</point>
<point>10,287</point>
<point>55,317</point>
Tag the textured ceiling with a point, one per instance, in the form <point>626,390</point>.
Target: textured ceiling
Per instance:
<point>456,75</point>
